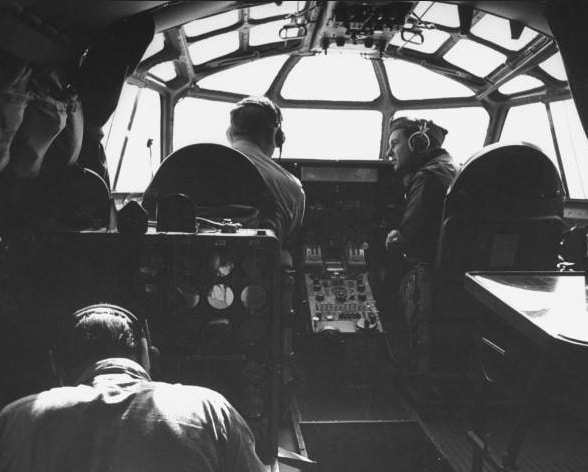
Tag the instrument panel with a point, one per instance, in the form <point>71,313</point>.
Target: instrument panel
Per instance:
<point>211,301</point>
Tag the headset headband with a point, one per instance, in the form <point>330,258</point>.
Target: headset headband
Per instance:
<point>136,325</point>
<point>264,103</point>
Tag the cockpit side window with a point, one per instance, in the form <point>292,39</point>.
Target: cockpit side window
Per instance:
<point>132,139</point>
<point>573,147</point>
<point>530,123</point>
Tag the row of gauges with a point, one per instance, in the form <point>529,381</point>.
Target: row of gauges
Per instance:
<point>221,264</point>
<point>218,263</point>
<point>221,296</point>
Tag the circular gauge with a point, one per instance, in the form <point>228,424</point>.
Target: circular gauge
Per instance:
<point>252,406</point>
<point>252,330</point>
<point>189,294</point>
<point>253,297</point>
<point>221,264</point>
<point>254,265</point>
<point>220,296</point>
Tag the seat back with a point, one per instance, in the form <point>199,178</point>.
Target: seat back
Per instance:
<point>212,175</point>
<point>503,211</point>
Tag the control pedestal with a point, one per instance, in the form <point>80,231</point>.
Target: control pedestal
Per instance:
<point>341,301</point>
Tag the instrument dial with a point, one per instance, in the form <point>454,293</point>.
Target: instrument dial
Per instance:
<point>188,293</point>
<point>220,296</point>
<point>253,298</point>
<point>221,264</point>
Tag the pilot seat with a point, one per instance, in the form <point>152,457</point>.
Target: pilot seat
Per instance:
<point>503,212</point>
<point>215,178</point>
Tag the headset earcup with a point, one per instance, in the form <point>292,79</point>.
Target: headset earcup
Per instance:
<point>279,138</point>
<point>419,142</point>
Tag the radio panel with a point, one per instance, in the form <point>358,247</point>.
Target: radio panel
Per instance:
<point>211,301</point>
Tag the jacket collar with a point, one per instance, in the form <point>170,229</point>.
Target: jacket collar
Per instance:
<point>113,365</point>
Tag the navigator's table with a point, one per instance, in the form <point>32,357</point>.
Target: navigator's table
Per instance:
<point>549,310</point>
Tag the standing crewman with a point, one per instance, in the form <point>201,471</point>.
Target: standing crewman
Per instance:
<point>426,170</point>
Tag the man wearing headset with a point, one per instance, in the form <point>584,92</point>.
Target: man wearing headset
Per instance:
<point>426,170</point>
<point>256,131</point>
<point>112,417</point>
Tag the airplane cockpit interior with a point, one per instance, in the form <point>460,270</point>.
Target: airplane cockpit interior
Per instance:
<point>393,280</point>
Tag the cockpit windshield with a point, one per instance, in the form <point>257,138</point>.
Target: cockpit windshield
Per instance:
<point>485,79</point>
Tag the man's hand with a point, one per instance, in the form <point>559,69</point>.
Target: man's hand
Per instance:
<point>394,237</point>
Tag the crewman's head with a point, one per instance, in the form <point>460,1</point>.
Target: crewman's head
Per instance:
<point>99,332</point>
<point>412,141</point>
<point>258,120</point>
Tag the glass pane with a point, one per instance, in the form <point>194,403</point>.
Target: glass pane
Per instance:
<point>529,123</point>
<point>440,13</point>
<point>267,33</point>
<point>212,23</point>
<point>140,161</point>
<point>332,134</point>
<point>573,146</point>
<point>211,48</point>
<point>332,77</point>
<point>433,39</point>
<point>164,71</point>
<point>475,58</point>
<point>409,82</point>
<point>520,84</point>
<point>156,45</point>
<point>497,30</point>
<point>554,66</point>
<point>200,121</point>
<point>466,128</point>
<point>253,78</point>
<point>272,9</point>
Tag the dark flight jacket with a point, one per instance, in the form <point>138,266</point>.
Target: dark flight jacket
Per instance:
<point>425,191</point>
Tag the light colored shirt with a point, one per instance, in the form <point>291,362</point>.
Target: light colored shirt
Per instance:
<point>117,419</point>
<point>284,187</point>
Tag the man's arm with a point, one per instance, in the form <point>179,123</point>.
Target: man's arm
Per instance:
<point>240,452</point>
<point>424,204</point>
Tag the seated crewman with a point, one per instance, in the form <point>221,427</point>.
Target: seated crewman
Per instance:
<point>113,417</point>
<point>426,170</point>
<point>255,130</point>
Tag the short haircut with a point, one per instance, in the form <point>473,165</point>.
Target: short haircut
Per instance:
<point>435,132</point>
<point>98,332</point>
<point>255,118</point>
